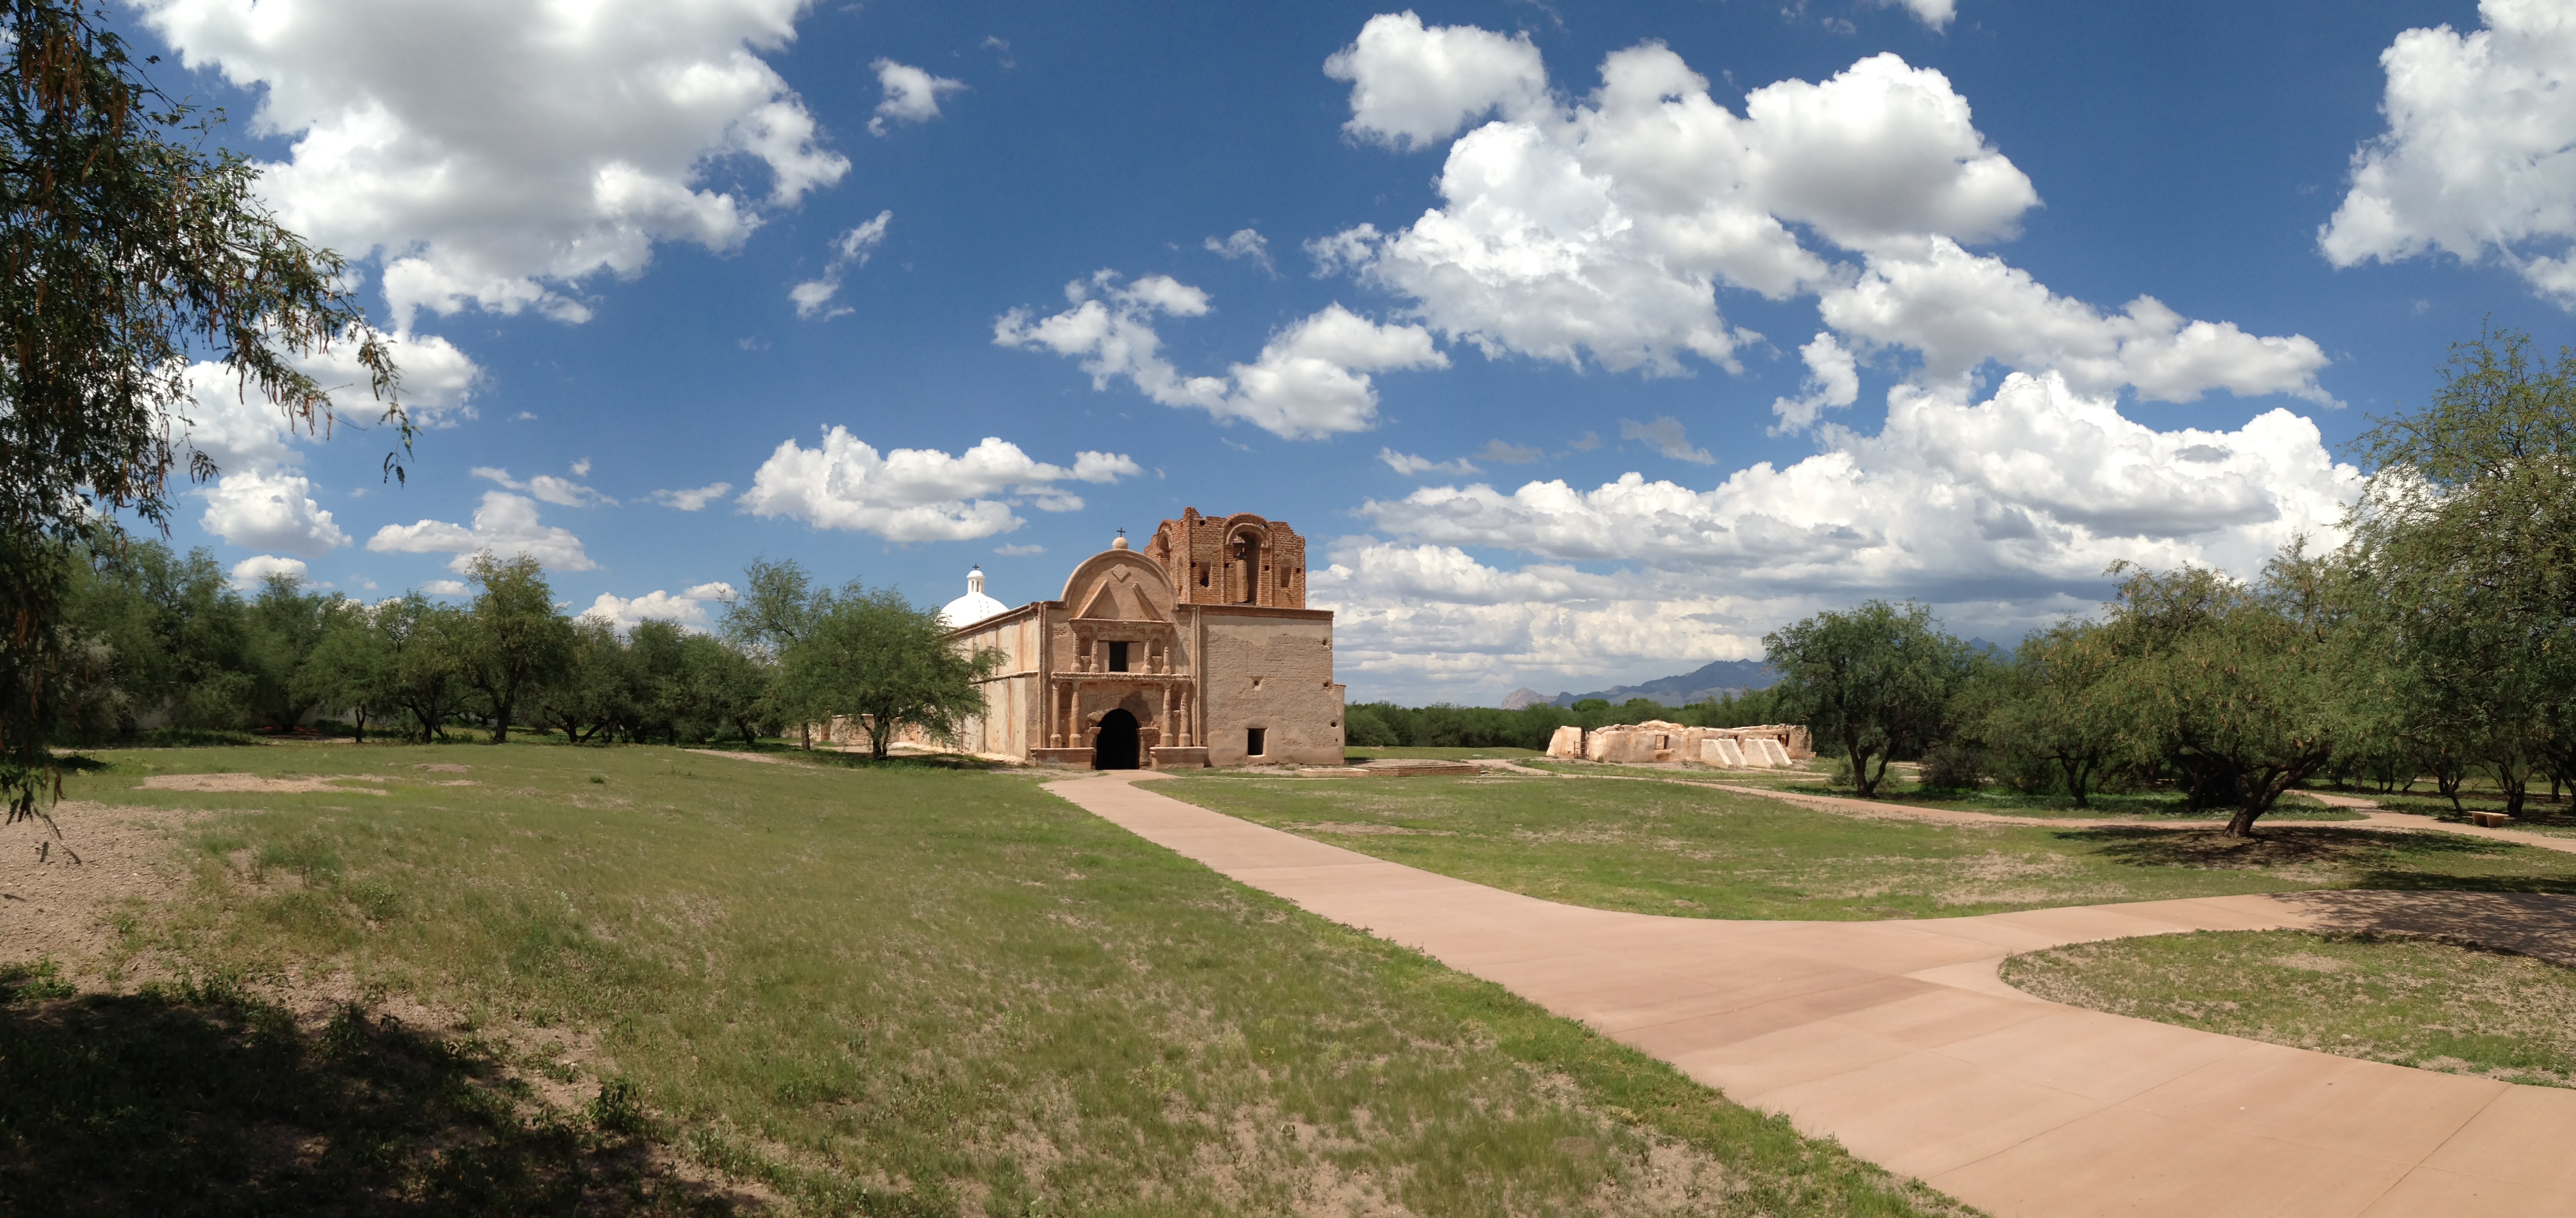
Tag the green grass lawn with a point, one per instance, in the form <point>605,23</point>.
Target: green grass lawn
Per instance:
<point>1694,851</point>
<point>2144,806</point>
<point>1359,753</point>
<point>2414,1002</point>
<point>898,989</point>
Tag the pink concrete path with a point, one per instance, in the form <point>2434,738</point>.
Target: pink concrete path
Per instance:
<point>1898,1039</point>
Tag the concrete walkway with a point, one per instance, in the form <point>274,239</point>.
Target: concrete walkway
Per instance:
<point>1899,1039</point>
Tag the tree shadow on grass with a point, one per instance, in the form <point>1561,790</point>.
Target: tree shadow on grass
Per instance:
<point>2368,858</point>
<point>200,1100</point>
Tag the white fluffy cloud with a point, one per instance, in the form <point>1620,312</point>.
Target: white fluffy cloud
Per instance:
<point>270,511</point>
<point>1601,230</point>
<point>469,143</point>
<point>2003,510</point>
<point>1935,13</point>
<point>911,95</point>
<point>2480,153</point>
<point>549,487</point>
<point>1833,381</point>
<point>850,249</point>
<point>1412,86</point>
<point>687,609</point>
<point>2039,483</point>
<point>692,499</point>
<point>250,573</point>
<point>919,494</point>
<point>505,524</point>
<point>1960,310</point>
<point>1311,379</point>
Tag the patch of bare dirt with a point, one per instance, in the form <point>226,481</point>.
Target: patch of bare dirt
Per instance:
<point>442,767</point>
<point>254,784</point>
<point>60,883</point>
<point>762,758</point>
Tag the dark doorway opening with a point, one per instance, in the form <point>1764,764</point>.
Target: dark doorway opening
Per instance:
<point>1117,657</point>
<point>1115,748</point>
<point>1256,741</point>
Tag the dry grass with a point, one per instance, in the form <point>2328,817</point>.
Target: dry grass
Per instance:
<point>914,990</point>
<point>2409,1000</point>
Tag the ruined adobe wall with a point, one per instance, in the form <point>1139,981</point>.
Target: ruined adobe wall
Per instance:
<point>1272,671</point>
<point>1196,554</point>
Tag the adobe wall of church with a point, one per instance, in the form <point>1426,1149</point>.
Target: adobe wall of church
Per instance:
<point>1274,671</point>
<point>1015,694</point>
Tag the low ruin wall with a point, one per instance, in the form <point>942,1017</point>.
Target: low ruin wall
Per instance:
<point>1768,746</point>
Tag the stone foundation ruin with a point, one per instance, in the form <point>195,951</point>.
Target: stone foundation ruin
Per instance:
<point>1766,747</point>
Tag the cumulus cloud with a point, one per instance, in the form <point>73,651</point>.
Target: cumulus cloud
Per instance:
<point>1244,244</point>
<point>2037,484</point>
<point>548,487</point>
<point>1601,230</point>
<point>1668,436</point>
<point>1960,310</point>
<point>1412,86</point>
<point>692,499</point>
<point>850,249</point>
<point>1409,464</point>
<point>1833,381</point>
<point>1019,551</point>
<point>250,573</point>
<point>1503,453</point>
<point>2479,157</point>
<point>1311,379</point>
<point>241,430</point>
<point>446,587</point>
<point>687,610</point>
<point>2005,511</point>
<point>911,95</point>
<point>270,511</point>
<point>919,494</point>
<point>505,524</point>
<point>468,144</point>
<point>1935,13</point>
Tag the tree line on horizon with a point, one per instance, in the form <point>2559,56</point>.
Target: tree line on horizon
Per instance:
<point>161,648</point>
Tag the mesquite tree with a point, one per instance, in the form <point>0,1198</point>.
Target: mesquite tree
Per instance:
<point>1877,681</point>
<point>128,251</point>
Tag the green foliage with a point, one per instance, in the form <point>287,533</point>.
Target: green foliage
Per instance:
<point>516,639</point>
<point>2465,544</point>
<point>129,248</point>
<point>872,654</point>
<point>1874,682</point>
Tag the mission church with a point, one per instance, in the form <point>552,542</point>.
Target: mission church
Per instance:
<point>1196,651</point>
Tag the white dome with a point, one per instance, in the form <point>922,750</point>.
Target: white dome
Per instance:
<point>972,607</point>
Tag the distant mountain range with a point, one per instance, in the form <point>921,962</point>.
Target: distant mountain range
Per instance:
<point>1714,681</point>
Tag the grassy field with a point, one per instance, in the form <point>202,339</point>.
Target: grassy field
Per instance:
<point>2143,807</point>
<point>2413,1002</point>
<point>896,989</point>
<point>1694,851</point>
<point>1360,753</point>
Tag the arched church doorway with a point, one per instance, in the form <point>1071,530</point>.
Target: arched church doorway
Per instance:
<point>1115,747</point>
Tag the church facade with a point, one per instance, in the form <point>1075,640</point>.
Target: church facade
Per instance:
<point>1197,650</point>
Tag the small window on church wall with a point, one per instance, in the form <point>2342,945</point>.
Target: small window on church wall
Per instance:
<point>1255,741</point>
<point>1117,657</point>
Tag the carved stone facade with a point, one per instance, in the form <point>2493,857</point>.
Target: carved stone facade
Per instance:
<point>1195,651</point>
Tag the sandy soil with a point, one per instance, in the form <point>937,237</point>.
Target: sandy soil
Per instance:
<point>253,784</point>
<point>59,883</point>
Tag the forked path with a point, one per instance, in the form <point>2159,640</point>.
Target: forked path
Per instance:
<point>1898,1039</point>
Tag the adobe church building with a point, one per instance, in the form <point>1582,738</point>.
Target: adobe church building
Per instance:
<point>1197,650</point>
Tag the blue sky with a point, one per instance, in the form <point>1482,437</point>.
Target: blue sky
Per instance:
<point>1566,383</point>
